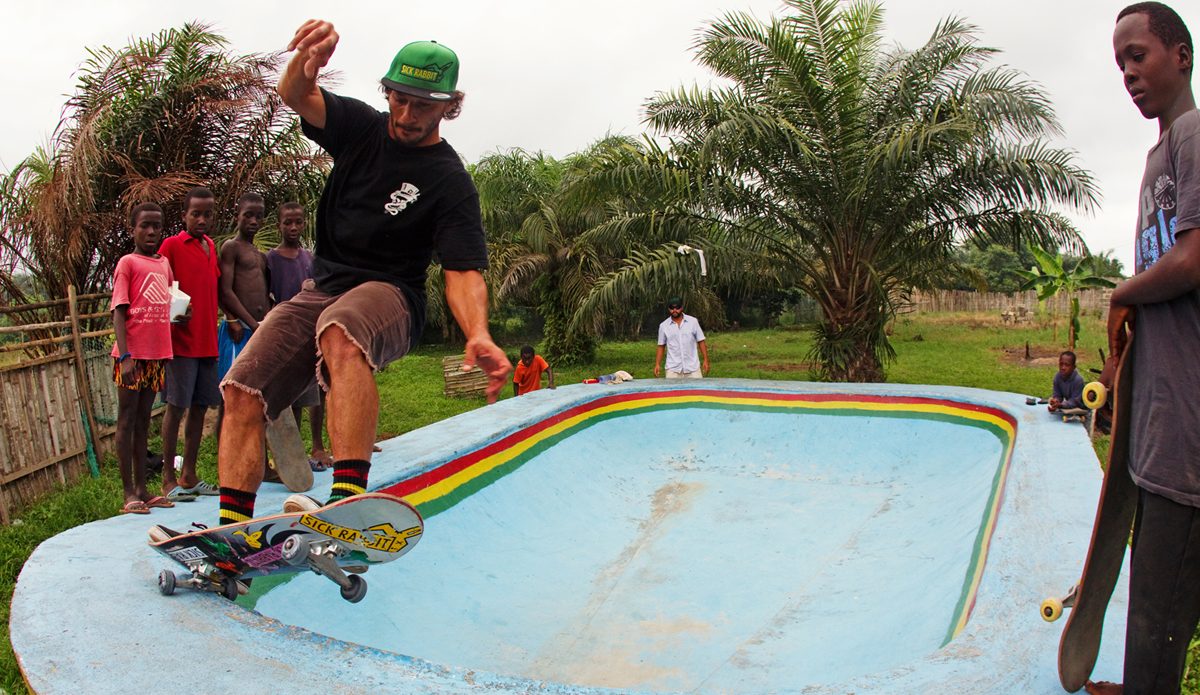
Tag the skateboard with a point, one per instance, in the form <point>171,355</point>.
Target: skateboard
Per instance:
<point>349,535</point>
<point>1073,414</point>
<point>1088,600</point>
<point>287,450</point>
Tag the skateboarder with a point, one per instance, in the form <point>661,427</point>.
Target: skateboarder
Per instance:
<point>1162,304</point>
<point>397,193</point>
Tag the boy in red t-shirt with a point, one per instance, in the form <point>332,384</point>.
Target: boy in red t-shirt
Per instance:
<point>527,376</point>
<point>191,379</point>
<point>141,303</point>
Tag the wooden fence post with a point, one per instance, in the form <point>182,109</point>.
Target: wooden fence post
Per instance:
<point>81,381</point>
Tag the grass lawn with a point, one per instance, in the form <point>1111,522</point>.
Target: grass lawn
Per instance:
<point>958,350</point>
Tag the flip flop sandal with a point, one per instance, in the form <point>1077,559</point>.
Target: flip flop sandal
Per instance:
<point>317,466</point>
<point>159,502</point>
<point>178,494</point>
<point>202,488</point>
<point>136,507</point>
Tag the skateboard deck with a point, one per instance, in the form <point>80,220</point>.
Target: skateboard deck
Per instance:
<point>1069,414</point>
<point>287,450</point>
<point>1080,643</point>
<point>357,532</point>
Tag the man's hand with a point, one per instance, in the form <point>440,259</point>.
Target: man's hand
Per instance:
<point>492,360</point>
<point>656,369</point>
<point>314,44</point>
<point>706,364</point>
<point>1119,316</point>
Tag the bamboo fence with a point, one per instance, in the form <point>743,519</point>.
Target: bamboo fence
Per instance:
<point>49,434</point>
<point>462,384</point>
<point>1021,303</point>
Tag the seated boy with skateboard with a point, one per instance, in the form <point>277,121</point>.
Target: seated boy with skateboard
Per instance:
<point>1161,303</point>
<point>1067,393</point>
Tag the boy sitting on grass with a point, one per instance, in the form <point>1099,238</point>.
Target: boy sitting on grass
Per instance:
<point>141,304</point>
<point>527,376</point>
<point>1161,303</point>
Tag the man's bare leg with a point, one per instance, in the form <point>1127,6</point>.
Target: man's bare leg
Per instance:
<point>352,412</point>
<point>240,460</point>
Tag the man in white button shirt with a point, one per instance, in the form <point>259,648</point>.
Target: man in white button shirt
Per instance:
<point>680,334</point>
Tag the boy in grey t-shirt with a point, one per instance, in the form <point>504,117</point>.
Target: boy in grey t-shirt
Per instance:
<point>290,264</point>
<point>1161,303</point>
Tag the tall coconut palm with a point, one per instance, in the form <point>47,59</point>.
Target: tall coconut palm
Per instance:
<point>534,246</point>
<point>148,122</point>
<point>837,166</point>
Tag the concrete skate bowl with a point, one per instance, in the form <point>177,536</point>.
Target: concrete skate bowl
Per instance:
<point>721,537</point>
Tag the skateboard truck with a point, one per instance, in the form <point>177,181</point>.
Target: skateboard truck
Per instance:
<point>205,577</point>
<point>319,557</point>
<point>1052,608</point>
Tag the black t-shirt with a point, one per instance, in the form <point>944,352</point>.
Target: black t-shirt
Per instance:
<point>387,208</point>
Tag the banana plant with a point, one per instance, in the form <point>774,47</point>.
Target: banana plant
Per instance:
<point>1049,278</point>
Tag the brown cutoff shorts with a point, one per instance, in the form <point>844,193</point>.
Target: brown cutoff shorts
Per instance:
<point>283,358</point>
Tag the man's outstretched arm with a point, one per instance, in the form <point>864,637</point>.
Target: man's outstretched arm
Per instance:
<point>314,44</point>
<point>466,293</point>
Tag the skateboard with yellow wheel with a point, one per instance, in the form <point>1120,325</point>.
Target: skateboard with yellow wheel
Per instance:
<point>347,536</point>
<point>1088,599</point>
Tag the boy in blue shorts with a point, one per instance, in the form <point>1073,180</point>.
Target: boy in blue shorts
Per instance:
<point>1161,303</point>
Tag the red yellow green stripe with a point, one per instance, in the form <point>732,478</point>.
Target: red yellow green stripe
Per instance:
<point>452,481</point>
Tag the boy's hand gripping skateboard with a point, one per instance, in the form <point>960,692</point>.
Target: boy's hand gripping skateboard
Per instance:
<point>349,535</point>
<point>1088,600</point>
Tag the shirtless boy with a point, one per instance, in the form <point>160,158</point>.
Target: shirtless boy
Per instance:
<point>243,289</point>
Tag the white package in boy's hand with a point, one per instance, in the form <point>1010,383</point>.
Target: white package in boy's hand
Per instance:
<point>179,301</point>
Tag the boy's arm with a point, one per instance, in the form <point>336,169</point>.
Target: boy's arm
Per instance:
<point>550,374</point>
<point>314,44</point>
<point>1176,273</point>
<point>119,313</point>
<point>228,299</point>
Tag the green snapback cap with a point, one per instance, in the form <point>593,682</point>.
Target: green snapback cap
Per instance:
<point>424,69</point>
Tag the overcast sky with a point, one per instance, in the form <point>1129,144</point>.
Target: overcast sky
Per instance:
<point>556,75</point>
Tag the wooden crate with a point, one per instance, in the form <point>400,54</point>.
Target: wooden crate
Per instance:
<point>460,384</point>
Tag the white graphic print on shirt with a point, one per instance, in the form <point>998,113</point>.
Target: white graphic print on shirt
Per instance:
<point>401,198</point>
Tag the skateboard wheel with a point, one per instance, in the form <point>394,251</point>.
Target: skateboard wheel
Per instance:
<point>229,588</point>
<point>1095,395</point>
<point>294,550</point>
<point>166,582</point>
<point>357,589</point>
<point>1052,609</point>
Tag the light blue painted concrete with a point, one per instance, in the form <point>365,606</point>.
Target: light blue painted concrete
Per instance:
<point>676,550</point>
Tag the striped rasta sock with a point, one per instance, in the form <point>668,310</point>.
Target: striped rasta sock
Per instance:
<point>236,506</point>
<point>349,478</point>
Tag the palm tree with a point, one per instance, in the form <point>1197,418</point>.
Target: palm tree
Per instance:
<point>835,166</point>
<point>534,242</point>
<point>148,122</point>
